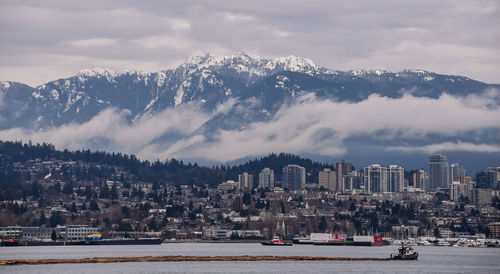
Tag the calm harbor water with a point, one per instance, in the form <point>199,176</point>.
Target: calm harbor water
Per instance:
<point>431,259</point>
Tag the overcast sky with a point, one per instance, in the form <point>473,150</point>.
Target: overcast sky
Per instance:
<point>45,40</point>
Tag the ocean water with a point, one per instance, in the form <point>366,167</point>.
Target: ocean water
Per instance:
<point>431,259</point>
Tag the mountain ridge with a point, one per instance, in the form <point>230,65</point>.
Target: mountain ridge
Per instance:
<point>212,99</point>
<point>206,60</point>
<point>207,80</point>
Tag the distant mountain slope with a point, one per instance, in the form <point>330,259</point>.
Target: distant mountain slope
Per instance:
<point>246,105</point>
<point>206,81</point>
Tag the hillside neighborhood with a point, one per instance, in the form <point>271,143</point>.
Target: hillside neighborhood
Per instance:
<point>56,195</point>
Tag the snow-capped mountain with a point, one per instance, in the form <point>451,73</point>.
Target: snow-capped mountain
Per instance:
<point>207,80</point>
<point>232,101</point>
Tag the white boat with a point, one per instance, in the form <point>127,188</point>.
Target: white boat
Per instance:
<point>423,242</point>
<point>442,243</point>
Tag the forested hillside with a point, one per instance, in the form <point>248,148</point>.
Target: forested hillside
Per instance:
<point>19,169</point>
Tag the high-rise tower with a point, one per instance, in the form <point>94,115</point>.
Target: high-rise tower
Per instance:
<point>328,179</point>
<point>266,178</point>
<point>342,168</point>
<point>246,181</point>
<point>438,171</point>
<point>294,177</point>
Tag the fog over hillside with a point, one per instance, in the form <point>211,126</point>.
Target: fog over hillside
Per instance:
<point>216,109</point>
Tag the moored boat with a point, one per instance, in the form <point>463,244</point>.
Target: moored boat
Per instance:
<point>9,242</point>
<point>442,243</point>
<point>303,240</point>
<point>277,241</point>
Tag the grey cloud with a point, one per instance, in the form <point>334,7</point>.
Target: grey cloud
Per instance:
<point>451,146</point>
<point>295,128</point>
<point>453,37</point>
<point>110,125</point>
<point>309,125</point>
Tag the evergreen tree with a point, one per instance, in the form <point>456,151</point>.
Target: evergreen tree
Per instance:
<point>114,193</point>
<point>94,206</point>
<point>353,206</point>
<point>73,207</point>
<point>68,188</point>
<point>495,202</point>
<point>126,211</point>
<point>88,193</point>
<point>323,225</point>
<point>43,219</point>
<point>57,218</point>
<point>36,189</point>
<point>123,226</point>
<point>105,193</point>
<point>246,198</point>
<point>152,225</point>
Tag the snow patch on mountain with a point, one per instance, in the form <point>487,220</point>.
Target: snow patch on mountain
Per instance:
<point>180,92</point>
<point>160,78</point>
<point>5,85</point>
<point>418,71</point>
<point>281,81</point>
<point>72,99</point>
<point>251,64</point>
<point>55,94</point>
<point>293,63</point>
<point>380,72</point>
<point>197,57</point>
<point>362,72</point>
<point>37,95</point>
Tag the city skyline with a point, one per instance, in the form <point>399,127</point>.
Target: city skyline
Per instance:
<point>378,199</point>
<point>190,136</point>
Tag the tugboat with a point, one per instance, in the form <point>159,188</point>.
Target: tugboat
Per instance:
<point>405,252</point>
<point>10,242</point>
<point>277,241</point>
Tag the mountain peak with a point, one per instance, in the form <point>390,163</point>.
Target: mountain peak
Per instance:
<point>242,61</point>
<point>293,63</point>
<point>197,57</point>
<point>4,85</point>
<point>416,71</point>
<point>94,72</point>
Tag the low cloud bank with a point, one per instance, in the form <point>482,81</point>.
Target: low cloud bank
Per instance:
<point>451,146</point>
<point>110,126</point>
<point>309,125</point>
